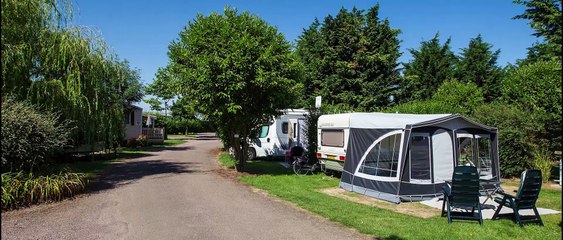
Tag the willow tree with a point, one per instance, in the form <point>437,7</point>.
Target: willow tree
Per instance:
<point>65,69</point>
<point>237,70</point>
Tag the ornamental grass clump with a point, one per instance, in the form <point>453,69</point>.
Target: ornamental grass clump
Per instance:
<point>542,162</point>
<point>24,189</point>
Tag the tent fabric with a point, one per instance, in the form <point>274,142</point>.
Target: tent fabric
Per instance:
<point>429,152</point>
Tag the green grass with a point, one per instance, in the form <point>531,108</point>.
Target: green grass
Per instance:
<point>386,224</point>
<point>226,160</point>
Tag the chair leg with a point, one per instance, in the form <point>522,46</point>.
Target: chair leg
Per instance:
<point>449,213</point>
<point>516,213</point>
<point>480,215</point>
<point>540,222</point>
<point>498,208</point>
<point>443,214</point>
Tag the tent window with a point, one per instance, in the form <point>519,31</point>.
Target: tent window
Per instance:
<point>475,150</point>
<point>420,157</point>
<point>465,150</point>
<point>383,157</point>
<point>332,137</point>
<point>264,131</point>
<point>485,156</point>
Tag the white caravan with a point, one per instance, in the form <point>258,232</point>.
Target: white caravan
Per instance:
<point>332,134</point>
<point>286,131</point>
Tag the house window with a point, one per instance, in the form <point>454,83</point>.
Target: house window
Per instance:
<point>332,137</point>
<point>383,158</point>
<point>285,128</point>
<point>132,118</point>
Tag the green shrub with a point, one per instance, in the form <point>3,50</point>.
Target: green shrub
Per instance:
<point>29,137</point>
<point>542,162</point>
<point>20,189</point>
<point>515,138</point>
<point>227,160</point>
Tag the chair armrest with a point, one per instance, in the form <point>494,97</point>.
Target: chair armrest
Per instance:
<point>447,190</point>
<point>507,195</point>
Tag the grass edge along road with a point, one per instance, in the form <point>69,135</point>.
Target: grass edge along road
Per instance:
<point>303,191</point>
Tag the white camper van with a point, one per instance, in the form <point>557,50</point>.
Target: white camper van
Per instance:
<point>284,132</point>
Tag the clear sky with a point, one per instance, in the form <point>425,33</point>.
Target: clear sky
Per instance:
<point>141,30</point>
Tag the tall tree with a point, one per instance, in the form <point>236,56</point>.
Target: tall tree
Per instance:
<point>351,59</point>
<point>378,62</point>
<point>238,70</point>
<point>545,19</point>
<point>478,64</point>
<point>432,64</point>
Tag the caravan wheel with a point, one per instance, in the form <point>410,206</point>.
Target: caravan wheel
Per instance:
<point>251,153</point>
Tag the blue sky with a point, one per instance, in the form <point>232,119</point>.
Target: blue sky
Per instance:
<point>141,30</point>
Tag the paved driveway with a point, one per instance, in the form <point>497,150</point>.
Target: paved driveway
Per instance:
<point>170,194</point>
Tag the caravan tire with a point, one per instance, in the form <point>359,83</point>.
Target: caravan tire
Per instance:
<point>251,153</point>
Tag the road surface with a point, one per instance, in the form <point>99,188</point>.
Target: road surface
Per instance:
<point>170,194</point>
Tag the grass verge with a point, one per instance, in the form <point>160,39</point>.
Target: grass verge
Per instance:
<point>304,191</point>
<point>226,160</point>
<point>21,189</point>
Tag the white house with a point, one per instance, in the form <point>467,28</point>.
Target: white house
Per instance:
<point>133,121</point>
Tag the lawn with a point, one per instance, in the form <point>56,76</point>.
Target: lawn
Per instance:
<point>386,224</point>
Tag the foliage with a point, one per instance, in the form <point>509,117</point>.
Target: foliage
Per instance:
<point>451,97</point>
<point>154,104</point>
<point>306,192</point>
<point>478,64</point>
<point>20,189</point>
<point>462,96</point>
<point>227,160</point>
<point>545,19</point>
<point>237,70</point>
<point>65,69</point>
<point>432,64</point>
<point>30,137</point>
<point>312,136</point>
<point>516,135</point>
<point>542,162</point>
<point>536,88</point>
<point>351,59</point>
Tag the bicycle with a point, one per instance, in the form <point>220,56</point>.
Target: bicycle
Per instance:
<point>300,163</point>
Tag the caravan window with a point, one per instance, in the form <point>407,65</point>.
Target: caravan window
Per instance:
<point>332,137</point>
<point>383,157</point>
<point>264,131</point>
<point>285,128</point>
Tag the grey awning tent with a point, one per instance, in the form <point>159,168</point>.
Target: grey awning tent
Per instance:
<point>409,157</point>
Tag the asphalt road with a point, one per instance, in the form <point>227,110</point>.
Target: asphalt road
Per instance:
<point>170,194</point>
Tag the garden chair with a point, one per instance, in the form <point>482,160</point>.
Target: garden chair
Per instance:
<point>526,197</point>
<point>463,195</point>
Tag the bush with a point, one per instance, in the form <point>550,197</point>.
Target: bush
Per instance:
<point>19,189</point>
<point>515,138</point>
<point>542,162</point>
<point>29,137</point>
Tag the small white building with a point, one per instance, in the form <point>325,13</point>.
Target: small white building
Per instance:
<point>133,118</point>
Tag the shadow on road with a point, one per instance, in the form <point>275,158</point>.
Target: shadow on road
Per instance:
<point>127,172</point>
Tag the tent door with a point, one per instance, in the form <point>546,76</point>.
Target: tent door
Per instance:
<point>419,158</point>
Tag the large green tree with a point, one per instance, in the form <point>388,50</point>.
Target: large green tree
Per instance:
<point>237,70</point>
<point>545,19</point>
<point>478,64</point>
<point>64,69</point>
<point>432,64</point>
<point>351,59</point>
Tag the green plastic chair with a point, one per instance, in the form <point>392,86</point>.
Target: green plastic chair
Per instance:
<point>526,197</point>
<point>463,195</point>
